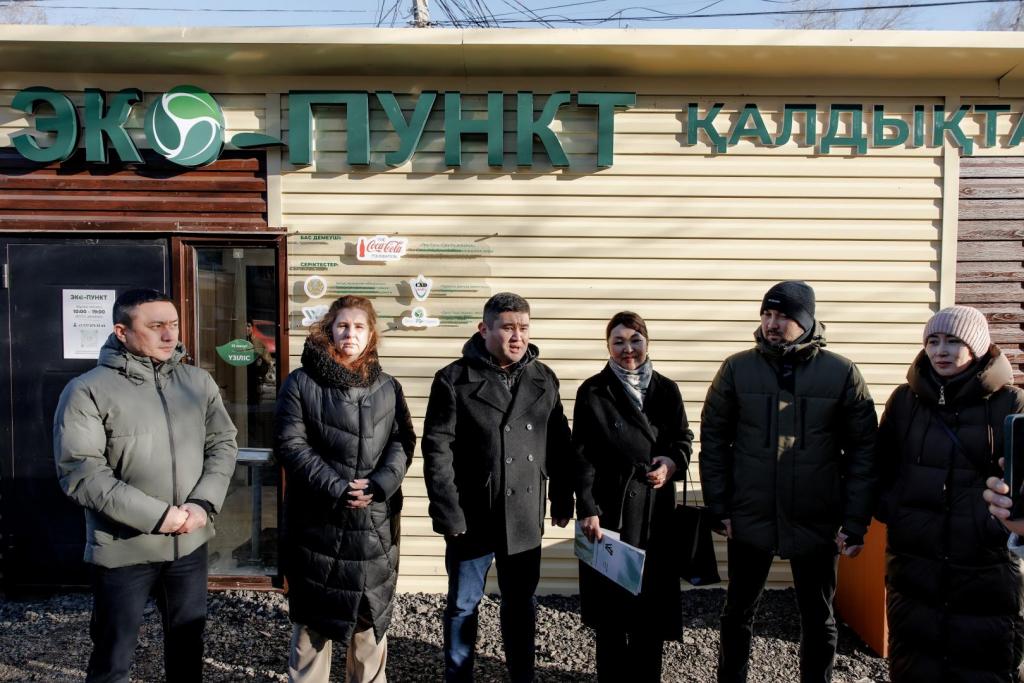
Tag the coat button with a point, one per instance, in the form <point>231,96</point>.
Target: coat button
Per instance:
<point>508,492</point>
<point>529,489</point>
<point>530,457</point>
<point>508,460</point>
<point>529,426</point>
<point>508,428</point>
<point>632,494</point>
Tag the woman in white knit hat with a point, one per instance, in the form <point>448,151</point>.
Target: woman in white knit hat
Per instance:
<point>954,590</point>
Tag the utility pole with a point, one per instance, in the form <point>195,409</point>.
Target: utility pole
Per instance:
<point>420,14</point>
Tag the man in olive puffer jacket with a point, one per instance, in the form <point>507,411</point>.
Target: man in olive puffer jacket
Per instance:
<point>786,464</point>
<point>144,444</point>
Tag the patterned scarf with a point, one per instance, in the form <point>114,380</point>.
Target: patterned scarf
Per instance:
<point>634,381</point>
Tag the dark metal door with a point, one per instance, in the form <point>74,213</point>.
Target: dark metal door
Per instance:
<point>43,531</point>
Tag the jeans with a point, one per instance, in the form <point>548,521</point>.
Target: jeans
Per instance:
<point>814,577</point>
<point>468,562</point>
<point>119,599</point>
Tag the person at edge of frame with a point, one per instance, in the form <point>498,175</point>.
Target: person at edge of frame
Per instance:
<point>495,438</point>
<point>143,443</point>
<point>343,433</point>
<point>632,440</point>
<point>954,592</point>
<point>787,465</point>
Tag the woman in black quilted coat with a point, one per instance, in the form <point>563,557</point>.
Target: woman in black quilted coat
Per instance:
<point>954,590</point>
<point>345,439</point>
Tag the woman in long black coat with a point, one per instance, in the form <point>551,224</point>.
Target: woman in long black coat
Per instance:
<point>954,590</point>
<point>631,441</point>
<point>344,436</point>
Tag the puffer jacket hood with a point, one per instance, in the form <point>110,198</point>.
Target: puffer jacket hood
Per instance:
<point>138,369</point>
<point>802,349</point>
<point>989,374</point>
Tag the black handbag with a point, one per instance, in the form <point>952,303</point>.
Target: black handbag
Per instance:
<point>695,546</point>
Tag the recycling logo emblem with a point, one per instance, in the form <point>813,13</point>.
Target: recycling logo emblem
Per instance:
<point>186,125</point>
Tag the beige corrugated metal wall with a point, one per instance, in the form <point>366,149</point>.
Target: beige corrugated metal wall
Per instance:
<point>687,238</point>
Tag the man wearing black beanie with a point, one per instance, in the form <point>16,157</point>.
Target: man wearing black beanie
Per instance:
<point>786,463</point>
<point>794,299</point>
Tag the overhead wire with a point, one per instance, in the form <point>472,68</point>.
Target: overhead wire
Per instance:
<point>658,15</point>
<point>464,16</point>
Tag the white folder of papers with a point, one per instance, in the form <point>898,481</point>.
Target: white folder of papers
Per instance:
<point>620,562</point>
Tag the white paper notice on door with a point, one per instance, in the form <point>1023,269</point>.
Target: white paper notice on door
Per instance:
<point>87,321</point>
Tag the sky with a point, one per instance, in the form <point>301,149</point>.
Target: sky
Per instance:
<point>366,13</point>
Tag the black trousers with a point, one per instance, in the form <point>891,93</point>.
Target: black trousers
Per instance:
<point>628,656</point>
<point>814,576</point>
<point>119,599</point>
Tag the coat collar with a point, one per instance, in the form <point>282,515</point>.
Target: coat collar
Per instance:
<point>491,391</point>
<point>613,389</point>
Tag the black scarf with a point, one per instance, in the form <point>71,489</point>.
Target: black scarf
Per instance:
<point>322,367</point>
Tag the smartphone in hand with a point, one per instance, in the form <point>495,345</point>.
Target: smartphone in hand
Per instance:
<point>1013,461</point>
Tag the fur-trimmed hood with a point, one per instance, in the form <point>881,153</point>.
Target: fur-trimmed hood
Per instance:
<point>989,374</point>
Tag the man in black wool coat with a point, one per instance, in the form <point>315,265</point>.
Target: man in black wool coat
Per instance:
<point>495,441</point>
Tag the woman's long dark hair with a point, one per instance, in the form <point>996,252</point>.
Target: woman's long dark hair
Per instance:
<point>322,335</point>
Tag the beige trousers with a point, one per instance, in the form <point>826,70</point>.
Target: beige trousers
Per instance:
<point>309,658</point>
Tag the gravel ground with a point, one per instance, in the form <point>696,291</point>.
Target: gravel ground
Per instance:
<point>247,640</point>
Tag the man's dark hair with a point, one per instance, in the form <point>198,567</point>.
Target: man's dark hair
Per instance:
<point>126,303</point>
<point>504,302</point>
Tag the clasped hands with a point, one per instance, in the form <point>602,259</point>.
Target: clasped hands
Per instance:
<point>184,519</point>
<point>358,495</point>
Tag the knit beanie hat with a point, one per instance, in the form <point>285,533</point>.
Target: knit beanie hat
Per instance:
<point>963,322</point>
<point>795,298</point>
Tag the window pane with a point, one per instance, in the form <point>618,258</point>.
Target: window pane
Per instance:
<point>236,316</point>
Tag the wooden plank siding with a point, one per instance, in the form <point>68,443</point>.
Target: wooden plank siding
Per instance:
<point>228,195</point>
<point>990,249</point>
<point>689,239</point>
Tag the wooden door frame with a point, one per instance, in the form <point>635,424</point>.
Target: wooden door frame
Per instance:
<point>184,279</point>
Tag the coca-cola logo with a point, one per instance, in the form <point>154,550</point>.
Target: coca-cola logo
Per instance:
<point>381,248</point>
